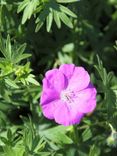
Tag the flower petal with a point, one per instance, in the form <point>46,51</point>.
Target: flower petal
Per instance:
<point>48,96</point>
<point>79,80</point>
<point>56,80</point>
<point>85,101</point>
<point>67,70</point>
<point>66,115</point>
<point>48,109</point>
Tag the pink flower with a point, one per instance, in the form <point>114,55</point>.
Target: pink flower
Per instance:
<point>67,94</point>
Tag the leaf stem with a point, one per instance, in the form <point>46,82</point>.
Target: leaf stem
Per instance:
<point>75,135</point>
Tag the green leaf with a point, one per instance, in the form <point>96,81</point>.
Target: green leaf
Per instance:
<point>21,49</point>
<point>57,134</point>
<point>39,25</point>
<point>102,71</point>
<point>9,135</point>
<point>44,153</point>
<point>66,20</point>
<point>68,47</point>
<point>5,106</point>
<point>22,5</point>
<point>49,21</point>
<point>57,19</point>
<point>28,11</point>
<point>110,101</point>
<point>21,57</point>
<point>11,83</point>
<point>10,151</point>
<point>2,47</point>
<point>67,1</point>
<point>8,48</point>
<point>40,20</point>
<point>87,134</point>
<point>31,79</point>
<point>18,55</point>
<point>35,143</point>
<point>4,140</point>
<point>94,151</point>
<point>67,11</point>
<point>38,9</point>
<point>3,116</point>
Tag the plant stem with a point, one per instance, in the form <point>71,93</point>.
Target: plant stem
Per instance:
<point>75,135</point>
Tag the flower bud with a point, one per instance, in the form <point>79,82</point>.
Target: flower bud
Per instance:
<point>112,139</point>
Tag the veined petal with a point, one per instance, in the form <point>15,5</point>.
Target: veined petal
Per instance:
<point>56,80</point>
<point>85,100</point>
<point>66,115</point>
<point>67,70</point>
<point>48,95</point>
<point>79,80</point>
<point>48,109</point>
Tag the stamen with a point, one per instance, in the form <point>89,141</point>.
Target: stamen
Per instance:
<point>67,96</point>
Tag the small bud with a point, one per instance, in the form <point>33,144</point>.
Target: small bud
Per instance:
<point>112,139</point>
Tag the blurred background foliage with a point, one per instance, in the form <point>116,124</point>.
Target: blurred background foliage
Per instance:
<point>37,35</point>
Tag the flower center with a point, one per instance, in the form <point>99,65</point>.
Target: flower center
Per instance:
<point>67,96</point>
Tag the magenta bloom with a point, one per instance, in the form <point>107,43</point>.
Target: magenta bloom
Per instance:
<point>67,94</point>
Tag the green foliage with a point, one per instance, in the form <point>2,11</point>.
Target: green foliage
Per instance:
<point>15,77</point>
<point>24,141</point>
<point>94,151</point>
<point>57,135</point>
<point>47,10</point>
<point>105,86</point>
<point>12,73</point>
